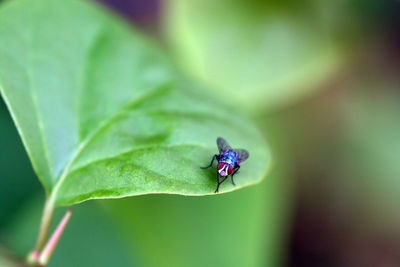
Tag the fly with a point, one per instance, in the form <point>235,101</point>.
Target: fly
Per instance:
<point>228,161</point>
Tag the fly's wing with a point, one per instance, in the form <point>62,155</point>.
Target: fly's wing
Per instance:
<point>222,144</point>
<point>242,154</point>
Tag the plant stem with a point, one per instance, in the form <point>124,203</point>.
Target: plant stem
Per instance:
<point>51,244</point>
<point>45,225</point>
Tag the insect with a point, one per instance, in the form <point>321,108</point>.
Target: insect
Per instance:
<point>228,161</point>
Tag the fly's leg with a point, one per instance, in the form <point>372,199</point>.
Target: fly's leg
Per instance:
<point>212,161</point>
<point>234,172</point>
<point>216,190</point>
<point>219,183</point>
<point>236,169</point>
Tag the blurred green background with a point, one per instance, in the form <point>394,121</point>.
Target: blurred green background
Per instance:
<point>322,81</point>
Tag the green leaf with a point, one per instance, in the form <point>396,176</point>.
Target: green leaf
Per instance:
<point>101,112</point>
<point>263,54</point>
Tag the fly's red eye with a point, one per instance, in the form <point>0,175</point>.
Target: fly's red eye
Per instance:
<point>230,169</point>
<point>220,165</point>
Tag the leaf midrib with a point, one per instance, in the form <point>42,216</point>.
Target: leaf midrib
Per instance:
<point>103,125</point>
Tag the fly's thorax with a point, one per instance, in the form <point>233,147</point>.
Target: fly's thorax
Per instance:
<point>229,157</point>
<point>224,168</point>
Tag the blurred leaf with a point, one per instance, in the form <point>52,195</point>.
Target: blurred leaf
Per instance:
<point>260,54</point>
<point>371,151</point>
<point>101,113</point>
<point>244,228</point>
<point>89,238</point>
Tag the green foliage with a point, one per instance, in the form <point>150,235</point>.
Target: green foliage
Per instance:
<point>103,115</point>
<point>176,227</point>
<point>260,54</point>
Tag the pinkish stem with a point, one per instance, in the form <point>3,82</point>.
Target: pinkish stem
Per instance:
<point>51,244</point>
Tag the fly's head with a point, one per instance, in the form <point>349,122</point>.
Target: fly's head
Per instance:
<point>224,169</point>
